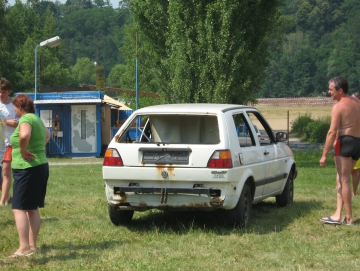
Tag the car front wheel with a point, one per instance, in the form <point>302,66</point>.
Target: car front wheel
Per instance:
<point>287,196</point>
<point>241,214</point>
<point>118,217</point>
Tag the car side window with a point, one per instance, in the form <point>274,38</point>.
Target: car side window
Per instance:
<point>263,130</point>
<point>243,131</point>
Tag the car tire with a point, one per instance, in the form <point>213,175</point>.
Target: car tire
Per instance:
<point>118,217</point>
<point>241,214</point>
<point>287,196</point>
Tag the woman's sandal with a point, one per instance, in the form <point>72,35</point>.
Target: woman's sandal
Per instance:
<point>17,254</point>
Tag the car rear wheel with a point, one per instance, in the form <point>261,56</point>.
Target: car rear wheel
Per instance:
<point>118,217</point>
<point>287,196</point>
<point>241,214</point>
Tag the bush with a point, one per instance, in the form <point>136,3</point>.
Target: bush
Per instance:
<point>300,123</point>
<point>316,131</point>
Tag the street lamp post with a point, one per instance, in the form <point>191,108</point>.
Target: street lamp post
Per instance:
<point>53,42</point>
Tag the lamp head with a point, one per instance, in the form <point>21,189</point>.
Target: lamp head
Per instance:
<point>53,42</point>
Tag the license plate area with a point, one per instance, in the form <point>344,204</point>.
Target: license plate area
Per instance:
<point>166,156</point>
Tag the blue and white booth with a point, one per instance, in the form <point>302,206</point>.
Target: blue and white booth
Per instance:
<point>80,122</point>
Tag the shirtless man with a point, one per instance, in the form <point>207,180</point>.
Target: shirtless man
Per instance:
<point>345,129</point>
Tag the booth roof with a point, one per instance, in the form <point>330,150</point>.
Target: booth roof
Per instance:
<point>113,102</point>
<point>68,101</point>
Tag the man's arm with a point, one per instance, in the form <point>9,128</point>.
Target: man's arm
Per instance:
<point>12,122</point>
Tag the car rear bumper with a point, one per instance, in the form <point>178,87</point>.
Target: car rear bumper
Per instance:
<point>182,188</point>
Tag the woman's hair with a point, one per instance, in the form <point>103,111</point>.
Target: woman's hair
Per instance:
<point>25,103</point>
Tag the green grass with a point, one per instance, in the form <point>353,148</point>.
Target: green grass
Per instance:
<point>76,233</point>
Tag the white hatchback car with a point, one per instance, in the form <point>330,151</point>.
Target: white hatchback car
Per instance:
<point>196,157</point>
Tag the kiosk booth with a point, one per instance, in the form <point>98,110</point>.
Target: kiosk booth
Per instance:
<point>80,122</point>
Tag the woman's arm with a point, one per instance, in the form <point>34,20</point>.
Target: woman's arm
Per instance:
<point>24,137</point>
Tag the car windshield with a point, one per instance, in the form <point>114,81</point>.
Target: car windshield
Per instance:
<point>173,129</point>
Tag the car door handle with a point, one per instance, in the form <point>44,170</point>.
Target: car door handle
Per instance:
<point>266,152</point>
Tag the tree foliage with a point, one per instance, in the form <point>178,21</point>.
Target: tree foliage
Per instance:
<point>89,33</point>
<point>207,51</point>
<point>322,41</point>
<point>186,51</point>
<point>5,46</point>
<point>84,71</point>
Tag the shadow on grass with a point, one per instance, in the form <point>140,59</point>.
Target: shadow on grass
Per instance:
<point>62,251</point>
<point>266,218</point>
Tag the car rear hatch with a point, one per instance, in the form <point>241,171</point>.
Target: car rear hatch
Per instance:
<point>174,140</point>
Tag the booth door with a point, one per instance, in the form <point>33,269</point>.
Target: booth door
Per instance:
<point>83,125</point>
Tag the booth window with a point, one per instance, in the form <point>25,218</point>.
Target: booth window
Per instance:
<point>83,124</point>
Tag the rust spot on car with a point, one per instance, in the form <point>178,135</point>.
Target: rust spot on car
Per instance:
<point>123,197</point>
<point>159,169</point>
<point>190,206</point>
<point>142,204</point>
<point>168,169</point>
<point>198,205</point>
<point>218,201</point>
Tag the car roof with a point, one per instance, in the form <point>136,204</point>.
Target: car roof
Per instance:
<point>191,108</point>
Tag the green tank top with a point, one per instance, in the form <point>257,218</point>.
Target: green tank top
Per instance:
<point>36,143</point>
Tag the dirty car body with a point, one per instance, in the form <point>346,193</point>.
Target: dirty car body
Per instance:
<point>196,157</point>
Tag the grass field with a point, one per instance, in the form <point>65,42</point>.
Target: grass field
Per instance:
<point>77,234</point>
<point>277,116</point>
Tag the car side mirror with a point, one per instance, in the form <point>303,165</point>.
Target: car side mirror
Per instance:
<point>281,136</point>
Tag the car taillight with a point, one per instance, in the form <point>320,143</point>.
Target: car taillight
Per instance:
<point>220,159</point>
<point>112,158</point>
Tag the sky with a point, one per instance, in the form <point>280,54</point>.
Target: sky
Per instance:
<point>114,3</point>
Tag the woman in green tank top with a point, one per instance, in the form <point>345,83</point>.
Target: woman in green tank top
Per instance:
<point>30,172</point>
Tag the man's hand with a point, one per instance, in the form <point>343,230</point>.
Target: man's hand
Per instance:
<point>12,123</point>
<point>323,161</point>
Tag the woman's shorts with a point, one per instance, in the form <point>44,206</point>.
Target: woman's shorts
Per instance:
<point>30,187</point>
<point>7,155</point>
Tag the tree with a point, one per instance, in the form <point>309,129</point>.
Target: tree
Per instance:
<point>91,33</point>
<point>322,42</point>
<point>53,70</point>
<point>291,71</point>
<point>207,51</point>
<point>5,46</point>
<point>116,76</point>
<point>84,72</point>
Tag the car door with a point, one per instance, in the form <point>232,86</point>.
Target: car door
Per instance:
<point>250,153</point>
<point>275,167</point>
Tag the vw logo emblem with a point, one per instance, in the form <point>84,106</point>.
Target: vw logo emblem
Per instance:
<point>164,174</point>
